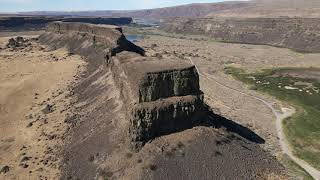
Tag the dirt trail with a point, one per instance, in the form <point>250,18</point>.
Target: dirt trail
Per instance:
<point>34,101</point>
<point>280,116</point>
<point>286,112</point>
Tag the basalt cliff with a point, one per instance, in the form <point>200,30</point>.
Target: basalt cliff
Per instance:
<point>145,116</point>
<point>160,95</point>
<point>300,34</point>
<point>40,22</point>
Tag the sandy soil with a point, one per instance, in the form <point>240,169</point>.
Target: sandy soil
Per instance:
<point>34,100</point>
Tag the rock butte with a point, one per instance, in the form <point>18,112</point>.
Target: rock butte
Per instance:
<point>160,96</point>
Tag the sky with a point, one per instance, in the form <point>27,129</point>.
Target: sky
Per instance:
<point>76,5</point>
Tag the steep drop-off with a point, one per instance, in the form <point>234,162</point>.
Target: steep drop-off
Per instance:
<point>128,102</point>
<point>96,42</point>
<point>162,96</point>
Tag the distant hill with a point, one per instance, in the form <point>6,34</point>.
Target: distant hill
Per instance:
<point>273,8</point>
<point>254,8</point>
<point>190,10</point>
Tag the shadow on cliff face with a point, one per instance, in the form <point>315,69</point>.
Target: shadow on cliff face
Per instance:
<point>99,118</point>
<point>218,121</point>
<point>210,119</point>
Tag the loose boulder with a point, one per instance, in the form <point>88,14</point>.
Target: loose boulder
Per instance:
<point>4,169</point>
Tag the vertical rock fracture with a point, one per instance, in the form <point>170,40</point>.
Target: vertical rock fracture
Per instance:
<point>160,96</point>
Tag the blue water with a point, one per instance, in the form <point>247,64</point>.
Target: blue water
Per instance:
<point>133,38</point>
<point>146,22</point>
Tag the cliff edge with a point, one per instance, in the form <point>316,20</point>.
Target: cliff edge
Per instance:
<point>300,34</point>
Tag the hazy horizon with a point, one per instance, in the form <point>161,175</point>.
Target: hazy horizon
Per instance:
<point>12,6</point>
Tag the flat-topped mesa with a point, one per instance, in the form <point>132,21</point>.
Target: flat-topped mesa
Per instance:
<point>94,29</point>
<point>96,42</point>
<point>152,79</point>
<point>162,95</point>
<point>101,36</point>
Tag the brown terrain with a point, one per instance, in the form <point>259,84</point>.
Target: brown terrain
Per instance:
<point>300,34</point>
<point>35,98</point>
<point>212,57</point>
<point>125,116</point>
<point>190,10</point>
<point>272,9</point>
<point>80,101</point>
<point>244,9</point>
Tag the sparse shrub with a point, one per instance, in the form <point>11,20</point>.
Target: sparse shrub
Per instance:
<point>153,167</point>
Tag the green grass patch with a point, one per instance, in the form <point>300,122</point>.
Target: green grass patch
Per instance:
<point>302,129</point>
<point>296,168</point>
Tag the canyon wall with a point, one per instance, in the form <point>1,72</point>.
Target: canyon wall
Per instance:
<point>160,96</point>
<point>40,22</point>
<point>300,34</point>
<point>95,42</point>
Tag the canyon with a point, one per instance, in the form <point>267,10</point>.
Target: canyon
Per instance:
<point>144,115</point>
<point>300,34</point>
<point>97,105</point>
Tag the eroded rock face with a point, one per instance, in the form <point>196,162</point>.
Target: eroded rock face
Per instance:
<point>177,82</point>
<point>117,102</point>
<point>160,96</point>
<point>96,42</point>
<point>301,34</point>
<point>157,118</point>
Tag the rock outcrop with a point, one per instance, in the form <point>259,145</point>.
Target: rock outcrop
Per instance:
<point>126,97</point>
<point>40,22</point>
<point>17,42</point>
<point>96,42</point>
<point>160,96</point>
<point>301,34</point>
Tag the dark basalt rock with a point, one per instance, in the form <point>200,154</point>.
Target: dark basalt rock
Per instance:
<point>177,82</point>
<point>95,42</point>
<point>132,99</point>
<point>4,169</point>
<point>154,119</point>
<point>160,96</point>
<point>17,42</point>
